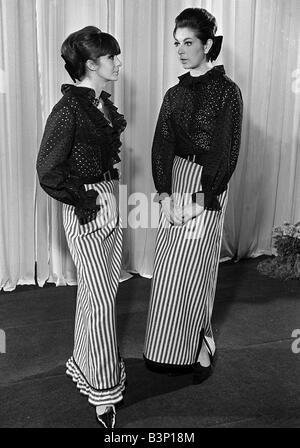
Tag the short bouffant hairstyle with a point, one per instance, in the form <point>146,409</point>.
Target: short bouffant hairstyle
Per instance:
<point>87,43</point>
<point>202,23</point>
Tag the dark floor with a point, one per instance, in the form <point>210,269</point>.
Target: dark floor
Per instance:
<point>256,382</point>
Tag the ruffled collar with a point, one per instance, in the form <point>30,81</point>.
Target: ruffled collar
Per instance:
<point>214,73</point>
<point>118,121</point>
<point>85,93</point>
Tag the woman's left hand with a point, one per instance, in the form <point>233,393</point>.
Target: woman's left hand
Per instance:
<point>188,212</point>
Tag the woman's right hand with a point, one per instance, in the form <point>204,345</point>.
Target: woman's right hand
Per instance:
<point>180,215</point>
<point>170,211</point>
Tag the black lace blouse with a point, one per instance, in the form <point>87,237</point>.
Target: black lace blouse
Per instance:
<point>199,116</point>
<point>78,145</point>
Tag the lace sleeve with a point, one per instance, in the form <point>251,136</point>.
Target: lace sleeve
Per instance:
<point>163,149</point>
<point>232,138</point>
<point>52,162</point>
<point>225,149</point>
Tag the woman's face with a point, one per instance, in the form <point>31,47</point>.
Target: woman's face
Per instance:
<point>108,67</point>
<point>190,49</point>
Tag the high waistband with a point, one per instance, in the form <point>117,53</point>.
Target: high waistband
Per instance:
<point>195,158</point>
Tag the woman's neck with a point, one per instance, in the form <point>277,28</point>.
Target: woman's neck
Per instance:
<point>202,69</point>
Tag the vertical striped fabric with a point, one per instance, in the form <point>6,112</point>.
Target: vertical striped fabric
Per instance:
<point>96,249</point>
<point>185,276</point>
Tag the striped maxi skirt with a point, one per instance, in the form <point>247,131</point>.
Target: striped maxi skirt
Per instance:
<point>184,277</point>
<point>96,248</point>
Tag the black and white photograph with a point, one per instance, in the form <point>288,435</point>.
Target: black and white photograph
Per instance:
<point>150,217</point>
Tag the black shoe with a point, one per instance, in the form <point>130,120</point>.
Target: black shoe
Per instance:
<point>201,373</point>
<point>108,419</point>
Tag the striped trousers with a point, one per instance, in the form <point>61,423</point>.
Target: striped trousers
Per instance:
<point>96,248</point>
<point>184,277</point>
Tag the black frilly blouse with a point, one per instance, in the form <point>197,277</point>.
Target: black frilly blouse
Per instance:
<point>199,116</point>
<point>78,146</point>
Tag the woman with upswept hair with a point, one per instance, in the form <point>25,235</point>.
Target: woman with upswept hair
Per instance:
<point>194,154</point>
<point>75,166</point>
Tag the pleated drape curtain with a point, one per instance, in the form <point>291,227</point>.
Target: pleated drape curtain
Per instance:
<point>261,52</point>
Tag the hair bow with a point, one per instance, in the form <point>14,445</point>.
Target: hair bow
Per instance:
<point>216,48</point>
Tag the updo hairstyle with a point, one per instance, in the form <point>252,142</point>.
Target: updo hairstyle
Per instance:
<point>89,43</point>
<point>204,26</point>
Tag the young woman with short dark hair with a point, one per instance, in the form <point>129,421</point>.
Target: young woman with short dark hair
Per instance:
<point>75,165</point>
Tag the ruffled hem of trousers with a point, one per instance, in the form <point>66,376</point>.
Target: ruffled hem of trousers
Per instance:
<point>97,397</point>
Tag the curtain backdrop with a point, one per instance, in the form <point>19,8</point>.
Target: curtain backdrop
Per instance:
<point>261,52</point>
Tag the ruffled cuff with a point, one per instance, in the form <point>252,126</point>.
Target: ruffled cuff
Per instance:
<point>86,215</point>
<point>211,202</point>
<point>198,197</point>
<point>88,199</point>
<point>87,209</point>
